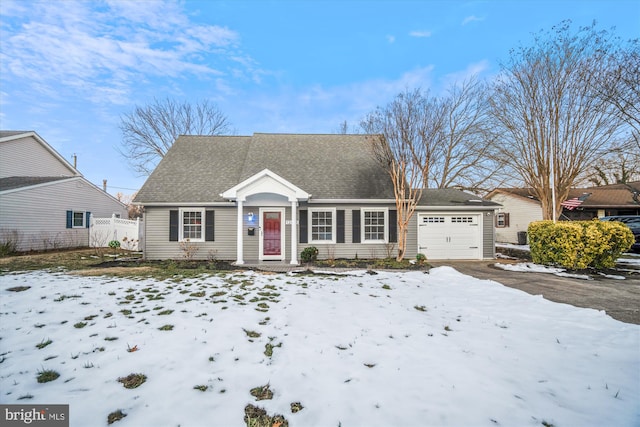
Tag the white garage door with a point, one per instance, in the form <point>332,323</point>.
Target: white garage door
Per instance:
<point>450,236</point>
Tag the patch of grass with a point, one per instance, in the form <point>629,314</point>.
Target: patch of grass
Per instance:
<point>264,321</point>
<point>125,312</point>
<point>296,407</point>
<point>26,396</point>
<point>132,380</point>
<point>49,358</point>
<point>201,387</point>
<point>420,307</point>
<point>199,294</point>
<point>19,288</point>
<point>111,338</point>
<point>166,328</point>
<point>268,349</point>
<point>258,417</point>
<point>262,392</point>
<point>64,297</point>
<point>447,328</point>
<point>43,344</point>
<point>165,312</point>
<point>39,325</point>
<point>369,365</point>
<point>115,416</point>
<point>252,334</point>
<point>47,375</point>
<point>386,287</point>
<point>80,325</point>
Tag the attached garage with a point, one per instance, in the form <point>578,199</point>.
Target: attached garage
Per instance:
<point>453,224</point>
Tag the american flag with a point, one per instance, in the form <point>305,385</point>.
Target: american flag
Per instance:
<point>571,204</point>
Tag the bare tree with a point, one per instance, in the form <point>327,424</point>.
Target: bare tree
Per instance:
<point>463,152</point>
<point>149,131</point>
<point>546,116</point>
<point>616,167</point>
<point>400,143</point>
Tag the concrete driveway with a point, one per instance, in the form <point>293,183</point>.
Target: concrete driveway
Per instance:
<point>620,299</point>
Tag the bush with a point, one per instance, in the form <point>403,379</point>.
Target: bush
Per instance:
<point>578,244</point>
<point>9,242</point>
<point>114,244</point>
<point>309,254</point>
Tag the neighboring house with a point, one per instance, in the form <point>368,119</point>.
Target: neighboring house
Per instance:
<point>45,203</point>
<point>267,197</point>
<point>520,206</point>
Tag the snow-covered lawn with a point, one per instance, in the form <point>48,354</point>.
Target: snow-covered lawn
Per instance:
<point>392,349</point>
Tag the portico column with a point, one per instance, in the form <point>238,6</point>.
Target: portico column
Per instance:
<point>240,235</point>
<point>294,233</point>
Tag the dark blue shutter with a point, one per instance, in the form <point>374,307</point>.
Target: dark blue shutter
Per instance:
<point>355,223</point>
<point>209,226</point>
<point>87,216</point>
<point>393,226</point>
<point>340,226</point>
<point>303,226</point>
<point>173,226</point>
<point>69,219</point>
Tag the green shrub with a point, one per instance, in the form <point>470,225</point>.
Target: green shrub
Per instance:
<point>114,244</point>
<point>309,254</point>
<point>421,258</point>
<point>578,244</point>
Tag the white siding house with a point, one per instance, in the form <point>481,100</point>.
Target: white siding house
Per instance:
<point>514,216</point>
<point>45,203</point>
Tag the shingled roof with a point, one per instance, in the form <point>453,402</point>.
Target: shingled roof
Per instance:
<point>14,182</point>
<point>197,169</point>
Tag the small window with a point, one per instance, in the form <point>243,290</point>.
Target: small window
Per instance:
<point>192,225</point>
<point>78,219</point>
<point>322,226</point>
<point>462,219</point>
<point>432,219</point>
<point>502,220</point>
<point>374,225</point>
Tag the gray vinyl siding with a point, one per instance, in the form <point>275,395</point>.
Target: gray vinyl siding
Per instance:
<point>27,157</point>
<point>38,214</point>
<point>158,246</point>
<point>349,250</point>
<point>488,235</point>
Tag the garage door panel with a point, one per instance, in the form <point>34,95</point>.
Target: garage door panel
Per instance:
<point>449,236</point>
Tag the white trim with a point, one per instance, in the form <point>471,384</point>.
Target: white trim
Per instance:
<point>362,225</point>
<point>84,218</point>
<point>333,226</point>
<point>261,255</point>
<point>186,204</point>
<point>265,182</point>
<point>181,224</point>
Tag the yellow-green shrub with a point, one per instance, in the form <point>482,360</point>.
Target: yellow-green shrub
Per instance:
<point>578,244</point>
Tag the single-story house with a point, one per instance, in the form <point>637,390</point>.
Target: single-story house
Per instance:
<point>45,202</point>
<point>267,197</point>
<point>520,206</point>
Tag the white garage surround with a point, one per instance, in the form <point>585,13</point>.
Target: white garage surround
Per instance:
<point>450,235</point>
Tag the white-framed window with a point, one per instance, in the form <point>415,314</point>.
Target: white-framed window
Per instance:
<point>191,225</point>
<point>374,225</point>
<point>78,219</point>
<point>322,225</point>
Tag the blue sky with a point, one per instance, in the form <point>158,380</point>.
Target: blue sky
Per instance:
<point>70,69</point>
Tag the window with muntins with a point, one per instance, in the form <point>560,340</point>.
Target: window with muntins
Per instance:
<point>374,222</point>
<point>192,224</point>
<point>78,219</point>
<point>322,224</point>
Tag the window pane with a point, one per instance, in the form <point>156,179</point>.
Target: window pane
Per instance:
<point>78,219</point>
<point>321,225</point>
<point>373,225</point>
<point>192,225</point>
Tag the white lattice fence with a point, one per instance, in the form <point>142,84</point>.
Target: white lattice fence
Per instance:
<point>127,231</point>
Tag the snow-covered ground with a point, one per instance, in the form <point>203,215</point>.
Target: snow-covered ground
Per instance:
<point>392,349</point>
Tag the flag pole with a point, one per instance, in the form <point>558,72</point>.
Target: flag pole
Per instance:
<point>552,178</point>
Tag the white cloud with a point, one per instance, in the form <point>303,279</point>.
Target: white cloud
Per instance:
<point>101,50</point>
<point>422,33</point>
<point>471,18</point>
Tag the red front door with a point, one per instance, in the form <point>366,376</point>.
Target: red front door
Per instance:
<point>272,236</point>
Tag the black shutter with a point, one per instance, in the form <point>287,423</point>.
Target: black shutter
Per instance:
<point>87,217</point>
<point>69,219</point>
<point>355,223</point>
<point>303,226</point>
<point>173,226</point>
<point>506,220</point>
<point>209,221</point>
<point>393,226</point>
<point>340,226</point>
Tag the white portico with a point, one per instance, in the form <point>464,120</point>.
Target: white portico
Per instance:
<point>270,194</point>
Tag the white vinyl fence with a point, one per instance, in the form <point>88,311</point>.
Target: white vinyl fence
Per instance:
<point>126,231</point>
